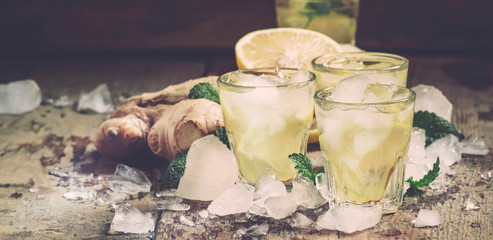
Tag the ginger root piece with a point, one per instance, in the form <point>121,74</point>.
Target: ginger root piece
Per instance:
<point>169,95</point>
<point>125,134</point>
<point>182,124</point>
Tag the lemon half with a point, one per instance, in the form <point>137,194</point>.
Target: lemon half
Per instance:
<point>282,47</point>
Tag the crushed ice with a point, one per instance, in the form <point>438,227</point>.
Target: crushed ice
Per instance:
<point>427,218</point>
<point>129,219</point>
<point>253,231</point>
<point>350,218</point>
<point>97,100</point>
<point>19,97</point>
<point>129,180</point>
<point>429,98</point>
<point>471,204</point>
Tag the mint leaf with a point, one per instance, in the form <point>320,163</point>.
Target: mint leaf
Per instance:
<point>414,186</point>
<point>222,135</point>
<point>304,166</point>
<point>435,126</point>
<point>204,90</point>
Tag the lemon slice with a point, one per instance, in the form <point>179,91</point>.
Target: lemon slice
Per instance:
<point>282,47</point>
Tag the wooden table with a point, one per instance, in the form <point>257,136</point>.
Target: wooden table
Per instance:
<point>467,81</point>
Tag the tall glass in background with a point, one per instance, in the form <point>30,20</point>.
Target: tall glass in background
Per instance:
<point>335,18</point>
<point>383,68</point>
<point>365,144</point>
<point>267,115</point>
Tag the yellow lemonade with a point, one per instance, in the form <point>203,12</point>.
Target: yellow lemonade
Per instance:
<point>365,144</point>
<point>382,68</point>
<point>266,120</point>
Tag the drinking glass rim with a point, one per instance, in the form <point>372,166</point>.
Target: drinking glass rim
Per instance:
<point>221,79</point>
<point>403,62</point>
<point>412,95</point>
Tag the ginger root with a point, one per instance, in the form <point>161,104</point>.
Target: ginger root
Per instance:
<point>166,122</point>
<point>124,135</point>
<point>182,124</point>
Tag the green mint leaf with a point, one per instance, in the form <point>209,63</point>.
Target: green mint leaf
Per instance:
<point>435,126</point>
<point>425,181</point>
<point>176,169</point>
<point>304,165</point>
<point>222,135</point>
<point>204,90</point>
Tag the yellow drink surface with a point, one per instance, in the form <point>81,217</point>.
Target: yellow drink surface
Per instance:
<point>361,175</point>
<point>264,133</point>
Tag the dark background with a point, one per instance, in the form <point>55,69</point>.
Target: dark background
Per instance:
<point>144,26</point>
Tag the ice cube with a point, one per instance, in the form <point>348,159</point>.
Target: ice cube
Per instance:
<point>186,221</point>
<point>417,163</point>
<point>350,90</point>
<point>306,194</point>
<point>253,231</point>
<point>63,101</point>
<point>129,219</point>
<point>235,199</point>
<point>279,207</point>
<point>471,204</point>
<point>447,149</point>
<point>300,76</point>
<point>129,180</point>
<point>350,218</point>
<point>19,97</point>
<point>268,185</point>
<point>427,218</point>
<point>109,197</point>
<point>474,146</point>
<point>429,98</point>
<point>487,176</point>
<point>98,100</point>
<point>173,204</point>
<point>166,193</point>
<point>211,168</point>
<point>301,221</point>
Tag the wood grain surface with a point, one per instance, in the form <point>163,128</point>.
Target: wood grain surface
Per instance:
<point>466,80</point>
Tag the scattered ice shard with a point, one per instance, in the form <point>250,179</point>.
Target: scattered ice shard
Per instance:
<point>19,97</point>
<point>471,204</point>
<point>129,219</point>
<point>417,164</point>
<point>173,204</point>
<point>267,185</point>
<point>487,176</point>
<point>253,231</point>
<point>280,207</point>
<point>185,221</point>
<point>447,149</point>
<point>235,199</point>
<point>129,180</point>
<point>350,218</point>
<point>306,194</point>
<point>301,221</point>
<point>166,193</point>
<point>98,100</point>
<point>427,218</point>
<point>63,101</point>
<point>203,216</point>
<point>429,98</point>
<point>474,146</point>
<point>109,197</point>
